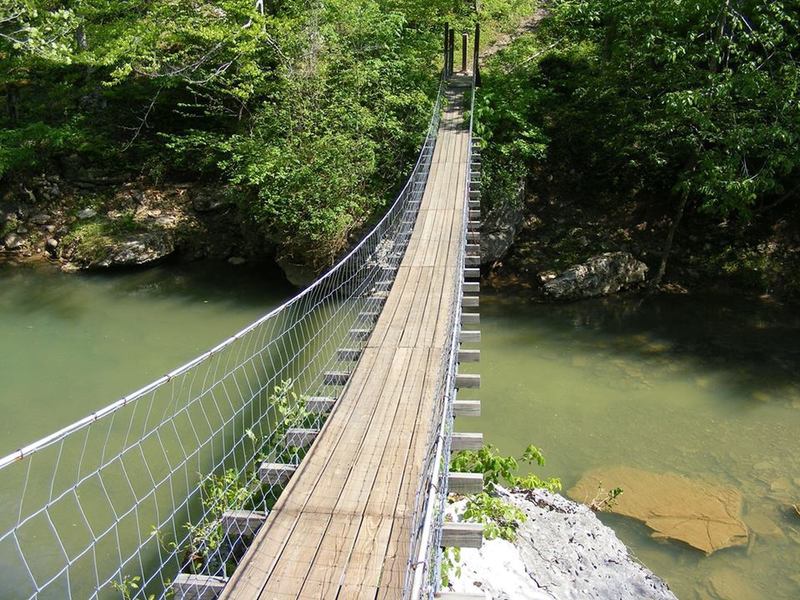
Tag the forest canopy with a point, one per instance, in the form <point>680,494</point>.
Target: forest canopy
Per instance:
<point>308,113</point>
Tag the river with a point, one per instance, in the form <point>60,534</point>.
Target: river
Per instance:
<point>705,386</point>
<point>75,343</point>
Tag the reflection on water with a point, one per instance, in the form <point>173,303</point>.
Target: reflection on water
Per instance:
<point>75,343</point>
<point>704,386</point>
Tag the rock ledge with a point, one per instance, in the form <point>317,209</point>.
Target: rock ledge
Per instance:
<point>562,552</point>
<point>600,275</point>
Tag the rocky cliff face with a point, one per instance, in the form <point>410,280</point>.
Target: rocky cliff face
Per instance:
<point>562,552</point>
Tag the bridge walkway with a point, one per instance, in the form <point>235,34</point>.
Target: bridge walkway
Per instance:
<point>341,527</point>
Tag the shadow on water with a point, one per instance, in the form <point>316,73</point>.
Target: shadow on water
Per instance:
<point>755,344</point>
<point>42,288</point>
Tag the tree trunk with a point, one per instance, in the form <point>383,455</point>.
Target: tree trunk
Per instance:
<point>662,267</point>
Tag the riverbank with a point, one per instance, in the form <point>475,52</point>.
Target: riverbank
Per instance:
<point>580,158</point>
<point>90,225</point>
<point>559,227</point>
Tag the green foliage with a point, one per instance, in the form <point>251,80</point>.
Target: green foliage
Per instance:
<point>313,111</point>
<point>605,501</point>
<point>38,31</point>
<point>487,460</point>
<point>219,493</point>
<point>128,588</point>
<point>232,491</point>
<point>290,410</point>
<point>92,238</point>
<point>497,468</point>
<point>697,99</point>
<point>451,565</point>
<point>500,519</point>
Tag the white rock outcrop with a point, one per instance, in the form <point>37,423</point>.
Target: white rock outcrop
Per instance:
<point>562,552</point>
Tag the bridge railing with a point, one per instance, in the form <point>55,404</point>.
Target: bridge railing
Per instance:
<point>169,479</point>
<point>423,575</point>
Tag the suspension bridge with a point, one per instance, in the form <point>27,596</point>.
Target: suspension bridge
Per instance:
<point>308,455</point>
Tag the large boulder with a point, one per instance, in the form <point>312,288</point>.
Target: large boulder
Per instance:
<point>705,516</point>
<point>500,227</point>
<point>562,552</point>
<point>12,241</point>
<point>601,275</point>
<point>296,273</point>
<point>125,251</point>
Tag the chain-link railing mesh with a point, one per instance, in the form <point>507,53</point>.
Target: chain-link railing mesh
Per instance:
<point>166,480</point>
<point>423,574</point>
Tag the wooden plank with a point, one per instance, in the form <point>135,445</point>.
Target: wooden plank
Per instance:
<point>320,404</point>
<point>468,381</point>
<point>468,318</point>
<point>273,474</point>
<point>335,377</point>
<point>470,355</point>
<point>467,408</point>
<point>359,334</point>
<point>470,301</point>
<point>368,316</point>
<point>242,522</point>
<point>472,273</point>
<point>471,287</point>
<point>466,441</point>
<point>348,354</point>
<point>299,437</point>
<point>469,337</point>
<point>197,587</point>
<point>464,483</point>
<point>462,535</point>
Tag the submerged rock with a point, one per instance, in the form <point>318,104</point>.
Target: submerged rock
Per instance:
<point>601,275</point>
<point>562,552</point>
<point>704,516</point>
<point>729,584</point>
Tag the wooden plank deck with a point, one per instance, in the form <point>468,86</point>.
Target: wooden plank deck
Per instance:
<point>341,528</point>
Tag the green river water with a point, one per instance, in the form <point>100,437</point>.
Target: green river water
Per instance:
<point>704,386</point>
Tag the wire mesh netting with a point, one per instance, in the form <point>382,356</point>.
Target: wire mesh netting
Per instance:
<point>423,575</point>
<point>174,478</point>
